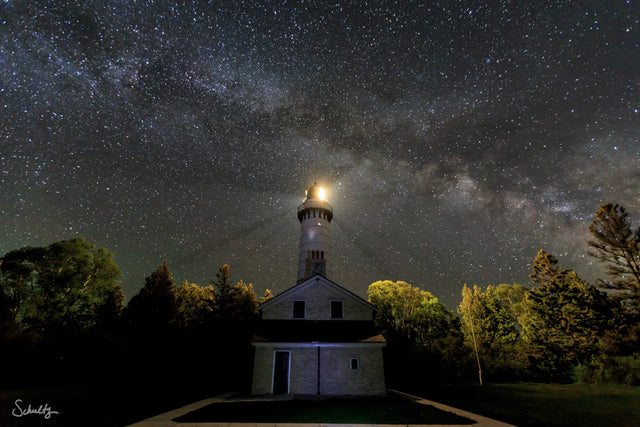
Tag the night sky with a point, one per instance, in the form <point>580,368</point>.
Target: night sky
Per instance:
<point>455,139</point>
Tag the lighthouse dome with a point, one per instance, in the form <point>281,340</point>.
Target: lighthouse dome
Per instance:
<point>315,192</point>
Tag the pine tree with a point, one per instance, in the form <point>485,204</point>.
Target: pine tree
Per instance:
<point>618,247</point>
<point>154,308</point>
<point>562,319</point>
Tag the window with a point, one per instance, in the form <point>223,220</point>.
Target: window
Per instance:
<point>336,309</point>
<point>298,309</point>
<point>355,363</point>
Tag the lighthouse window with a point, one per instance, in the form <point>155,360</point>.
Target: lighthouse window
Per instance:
<point>321,254</point>
<point>298,309</point>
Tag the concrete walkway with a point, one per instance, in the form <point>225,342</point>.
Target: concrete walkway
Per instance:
<point>166,419</point>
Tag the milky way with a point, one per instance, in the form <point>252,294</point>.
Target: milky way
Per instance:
<point>454,141</point>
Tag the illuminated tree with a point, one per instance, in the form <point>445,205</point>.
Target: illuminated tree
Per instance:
<point>66,287</point>
<point>618,247</point>
<point>266,297</point>
<point>195,305</point>
<point>511,296</point>
<point>490,328</point>
<point>423,341</point>
<point>415,314</point>
<point>562,319</point>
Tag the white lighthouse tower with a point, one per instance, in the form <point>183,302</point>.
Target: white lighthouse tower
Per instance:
<point>315,216</point>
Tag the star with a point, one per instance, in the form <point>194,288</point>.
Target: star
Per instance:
<point>454,142</point>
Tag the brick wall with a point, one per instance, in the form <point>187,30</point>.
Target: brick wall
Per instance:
<point>317,303</point>
<point>336,375</point>
<point>262,370</point>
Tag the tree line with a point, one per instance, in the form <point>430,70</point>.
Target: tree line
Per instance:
<point>559,328</point>
<point>63,318</point>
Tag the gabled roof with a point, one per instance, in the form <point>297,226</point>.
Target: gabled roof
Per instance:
<point>317,279</point>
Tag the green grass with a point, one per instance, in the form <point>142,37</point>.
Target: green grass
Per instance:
<point>545,404</point>
<point>382,410</point>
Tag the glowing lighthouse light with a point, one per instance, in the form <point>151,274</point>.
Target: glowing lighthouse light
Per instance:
<point>322,193</point>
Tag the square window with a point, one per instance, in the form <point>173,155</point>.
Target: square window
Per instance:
<point>298,309</point>
<point>355,363</point>
<point>336,309</point>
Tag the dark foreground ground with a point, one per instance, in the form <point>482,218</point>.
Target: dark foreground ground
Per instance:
<point>519,404</point>
<point>362,410</point>
<point>527,404</point>
<point>93,405</point>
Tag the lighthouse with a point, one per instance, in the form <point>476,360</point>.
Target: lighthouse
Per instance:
<point>316,337</point>
<point>314,214</point>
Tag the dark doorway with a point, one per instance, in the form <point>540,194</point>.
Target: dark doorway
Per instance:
<point>281,372</point>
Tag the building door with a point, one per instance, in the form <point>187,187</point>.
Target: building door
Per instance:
<point>281,372</point>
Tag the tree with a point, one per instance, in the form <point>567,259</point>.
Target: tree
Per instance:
<point>618,247</point>
<point>562,320</point>
<point>416,314</point>
<point>266,297</point>
<point>64,288</point>
<point>222,282</point>
<point>195,305</point>
<point>511,296</point>
<point>232,327</point>
<point>420,331</point>
<point>237,301</point>
<point>490,328</point>
<point>153,309</point>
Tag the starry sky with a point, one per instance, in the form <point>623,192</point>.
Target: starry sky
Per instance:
<point>455,138</point>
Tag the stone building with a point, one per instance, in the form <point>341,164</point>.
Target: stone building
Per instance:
<point>317,337</point>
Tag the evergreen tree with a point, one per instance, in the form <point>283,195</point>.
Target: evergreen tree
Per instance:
<point>222,282</point>
<point>562,320</point>
<point>233,326</point>
<point>154,307</point>
<point>237,301</point>
<point>618,247</point>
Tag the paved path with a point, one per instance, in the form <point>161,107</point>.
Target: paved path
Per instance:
<point>166,419</point>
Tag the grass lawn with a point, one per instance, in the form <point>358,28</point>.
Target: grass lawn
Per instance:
<point>545,404</point>
<point>380,410</point>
